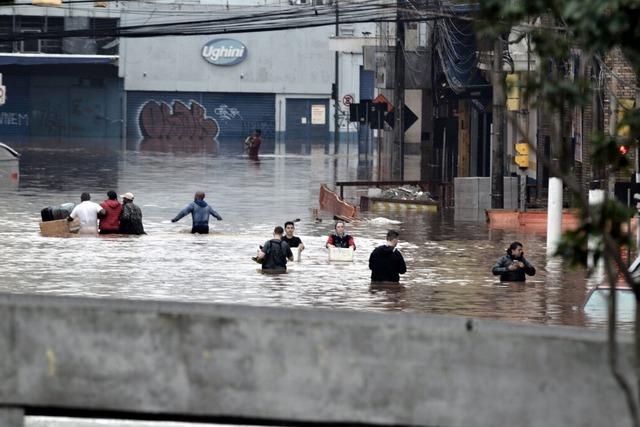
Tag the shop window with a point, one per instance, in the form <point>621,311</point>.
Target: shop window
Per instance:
<point>30,25</point>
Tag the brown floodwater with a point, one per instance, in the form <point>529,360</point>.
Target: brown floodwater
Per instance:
<point>448,261</point>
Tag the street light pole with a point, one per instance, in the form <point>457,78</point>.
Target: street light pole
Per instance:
<point>336,91</point>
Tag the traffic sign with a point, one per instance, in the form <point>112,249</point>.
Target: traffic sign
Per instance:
<point>3,95</point>
<point>380,99</point>
<point>409,118</point>
<point>347,99</point>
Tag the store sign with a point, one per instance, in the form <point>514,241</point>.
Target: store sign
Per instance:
<point>224,52</point>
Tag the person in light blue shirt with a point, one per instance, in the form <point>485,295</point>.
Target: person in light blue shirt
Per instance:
<point>200,211</point>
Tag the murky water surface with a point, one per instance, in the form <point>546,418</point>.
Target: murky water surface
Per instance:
<point>448,262</point>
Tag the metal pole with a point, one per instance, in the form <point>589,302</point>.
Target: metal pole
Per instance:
<point>497,140</point>
<point>399,84</point>
<point>336,125</point>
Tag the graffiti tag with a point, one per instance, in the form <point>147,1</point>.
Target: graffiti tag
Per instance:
<point>158,120</point>
<point>227,113</point>
<point>14,119</point>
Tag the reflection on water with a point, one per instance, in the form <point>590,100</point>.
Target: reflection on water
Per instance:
<point>448,261</point>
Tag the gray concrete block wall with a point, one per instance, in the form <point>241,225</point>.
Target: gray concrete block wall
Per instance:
<point>511,192</point>
<point>303,364</point>
<point>473,194</point>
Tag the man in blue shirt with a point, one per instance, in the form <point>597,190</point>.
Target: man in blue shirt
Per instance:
<point>200,211</point>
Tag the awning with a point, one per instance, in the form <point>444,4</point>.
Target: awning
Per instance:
<point>52,59</point>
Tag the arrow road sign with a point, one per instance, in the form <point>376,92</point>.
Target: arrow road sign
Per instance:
<point>409,118</point>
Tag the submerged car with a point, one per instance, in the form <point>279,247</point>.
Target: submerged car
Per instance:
<point>9,165</point>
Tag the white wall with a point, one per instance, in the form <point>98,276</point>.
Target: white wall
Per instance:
<point>295,61</point>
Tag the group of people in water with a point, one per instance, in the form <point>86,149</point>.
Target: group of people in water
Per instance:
<point>385,262</point>
<point>114,217</point>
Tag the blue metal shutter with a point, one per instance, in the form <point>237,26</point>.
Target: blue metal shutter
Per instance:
<point>190,121</point>
<point>300,131</point>
<point>15,113</point>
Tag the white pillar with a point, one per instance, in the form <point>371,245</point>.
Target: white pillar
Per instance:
<point>596,198</point>
<point>554,215</point>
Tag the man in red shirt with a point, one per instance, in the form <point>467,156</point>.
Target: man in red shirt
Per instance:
<point>111,222</point>
<point>254,146</point>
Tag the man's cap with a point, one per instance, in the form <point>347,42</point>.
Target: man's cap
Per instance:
<point>127,196</point>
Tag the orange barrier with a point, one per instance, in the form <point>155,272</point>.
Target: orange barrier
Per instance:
<point>331,202</point>
<point>534,221</point>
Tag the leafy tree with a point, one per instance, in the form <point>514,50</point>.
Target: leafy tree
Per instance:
<point>596,28</point>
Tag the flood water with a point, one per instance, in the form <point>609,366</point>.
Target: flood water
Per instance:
<point>448,261</point>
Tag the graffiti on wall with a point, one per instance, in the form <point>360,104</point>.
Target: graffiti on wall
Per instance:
<point>14,119</point>
<point>177,128</point>
<point>224,112</point>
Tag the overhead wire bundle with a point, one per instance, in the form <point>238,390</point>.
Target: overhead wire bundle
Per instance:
<point>226,21</point>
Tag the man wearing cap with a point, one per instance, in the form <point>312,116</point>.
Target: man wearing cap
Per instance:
<point>131,216</point>
<point>200,211</point>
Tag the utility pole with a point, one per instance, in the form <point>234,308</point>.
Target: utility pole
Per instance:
<point>336,91</point>
<point>399,83</point>
<point>497,137</point>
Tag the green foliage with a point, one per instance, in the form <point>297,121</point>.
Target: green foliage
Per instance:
<point>556,28</point>
<point>611,217</point>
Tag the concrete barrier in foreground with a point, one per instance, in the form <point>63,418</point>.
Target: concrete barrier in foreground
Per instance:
<point>156,359</point>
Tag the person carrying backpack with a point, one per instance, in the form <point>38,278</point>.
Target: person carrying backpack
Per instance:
<point>275,252</point>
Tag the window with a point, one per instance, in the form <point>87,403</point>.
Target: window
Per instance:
<point>54,25</point>
<point>106,44</point>
<point>6,26</point>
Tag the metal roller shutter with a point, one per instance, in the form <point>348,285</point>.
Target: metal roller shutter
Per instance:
<point>14,114</point>
<point>190,121</point>
<point>302,127</point>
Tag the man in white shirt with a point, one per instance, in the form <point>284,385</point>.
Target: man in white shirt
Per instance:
<point>88,213</point>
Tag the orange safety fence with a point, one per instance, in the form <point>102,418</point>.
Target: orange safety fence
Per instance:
<point>331,202</point>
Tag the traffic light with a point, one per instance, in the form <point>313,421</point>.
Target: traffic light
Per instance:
<point>522,155</point>
<point>623,149</point>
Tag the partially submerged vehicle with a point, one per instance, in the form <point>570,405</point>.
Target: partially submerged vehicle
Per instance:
<point>597,301</point>
<point>9,165</point>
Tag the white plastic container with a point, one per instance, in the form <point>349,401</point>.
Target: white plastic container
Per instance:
<point>341,254</point>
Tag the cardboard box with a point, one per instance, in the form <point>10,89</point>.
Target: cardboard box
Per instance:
<point>59,228</point>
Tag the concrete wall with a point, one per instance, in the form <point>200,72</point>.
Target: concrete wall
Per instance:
<point>302,365</point>
<point>472,196</point>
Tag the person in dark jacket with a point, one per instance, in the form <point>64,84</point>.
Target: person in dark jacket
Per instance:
<point>111,222</point>
<point>513,266</point>
<point>131,216</point>
<point>386,262</point>
<point>275,252</point>
<point>200,211</point>
<point>340,239</point>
